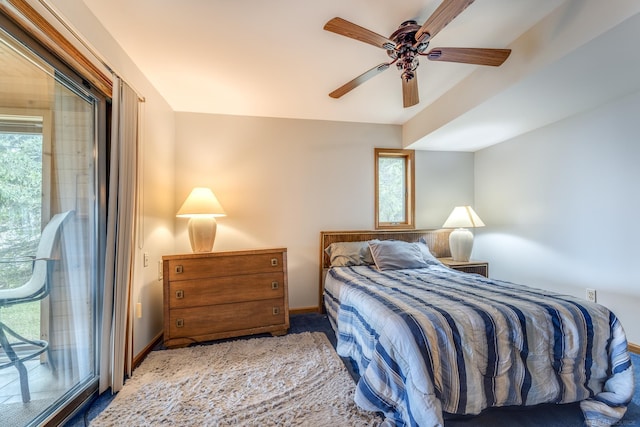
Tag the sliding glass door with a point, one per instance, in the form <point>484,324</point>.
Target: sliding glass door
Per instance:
<point>49,235</point>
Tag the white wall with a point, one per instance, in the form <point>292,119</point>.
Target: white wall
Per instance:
<point>158,171</point>
<point>562,205</point>
<point>283,181</point>
<point>444,180</point>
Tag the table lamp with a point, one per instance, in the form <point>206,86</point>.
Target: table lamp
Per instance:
<point>461,239</point>
<point>202,208</point>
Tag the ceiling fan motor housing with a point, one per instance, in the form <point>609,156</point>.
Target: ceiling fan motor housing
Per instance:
<point>406,52</point>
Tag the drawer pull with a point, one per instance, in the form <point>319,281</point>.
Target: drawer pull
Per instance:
<point>179,323</point>
<point>276,311</point>
<point>179,269</point>
<point>275,285</point>
<point>274,262</point>
<point>179,294</point>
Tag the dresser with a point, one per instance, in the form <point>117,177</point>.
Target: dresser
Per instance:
<point>216,295</point>
<point>471,266</point>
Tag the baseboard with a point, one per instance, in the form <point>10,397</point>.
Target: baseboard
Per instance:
<point>303,310</point>
<point>633,348</point>
<point>145,351</point>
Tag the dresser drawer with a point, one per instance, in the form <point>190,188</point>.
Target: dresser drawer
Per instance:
<point>224,265</point>
<point>199,321</point>
<point>224,290</point>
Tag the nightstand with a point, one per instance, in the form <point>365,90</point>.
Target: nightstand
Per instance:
<point>214,295</point>
<point>471,266</point>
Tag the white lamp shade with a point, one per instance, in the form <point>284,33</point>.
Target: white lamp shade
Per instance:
<point>201,207</point>
<point>201,202</point>
<point>463,217</point>
<point>461,239</point>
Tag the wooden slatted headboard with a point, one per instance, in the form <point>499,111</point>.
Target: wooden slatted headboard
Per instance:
<point>437,240</point>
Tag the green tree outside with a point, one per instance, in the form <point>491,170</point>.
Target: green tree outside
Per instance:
<point>391,188</point>
<point>20,222</point>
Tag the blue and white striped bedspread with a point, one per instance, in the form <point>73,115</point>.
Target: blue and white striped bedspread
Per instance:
<point>434,340</point>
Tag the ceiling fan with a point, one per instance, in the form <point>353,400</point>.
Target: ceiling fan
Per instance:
<point>409,42</point>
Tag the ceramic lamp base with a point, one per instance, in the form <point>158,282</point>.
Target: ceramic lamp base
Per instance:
<point>202,233</point>
<point>461,244</point>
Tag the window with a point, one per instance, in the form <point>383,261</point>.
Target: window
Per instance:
<point>394,183</point>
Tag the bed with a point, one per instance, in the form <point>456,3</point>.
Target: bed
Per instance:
<point>428,340</point>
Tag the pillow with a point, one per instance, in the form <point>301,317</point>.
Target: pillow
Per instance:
<point>396,255</point>
<point>426,253</point>
<point>346,254</point>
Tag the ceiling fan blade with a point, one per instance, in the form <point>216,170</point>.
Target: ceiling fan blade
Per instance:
<point>444,14</point>
<point>410,96</point>
<point>349,29</point>
<point>479,56</point>
<point>358,80</point>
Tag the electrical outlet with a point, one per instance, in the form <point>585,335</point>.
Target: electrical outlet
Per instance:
<point>146,259</point>
<point>591,295</point>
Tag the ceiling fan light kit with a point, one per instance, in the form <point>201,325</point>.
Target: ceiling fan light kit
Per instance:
<point>410,41</point>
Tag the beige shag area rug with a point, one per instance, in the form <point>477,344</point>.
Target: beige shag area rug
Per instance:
<point>293,380</point>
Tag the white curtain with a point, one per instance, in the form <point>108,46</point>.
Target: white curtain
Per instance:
<point>117,338</point>
<point>72,170</point>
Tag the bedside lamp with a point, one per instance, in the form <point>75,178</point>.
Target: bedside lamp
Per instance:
<point>461,239</point>
<point>201,207</point>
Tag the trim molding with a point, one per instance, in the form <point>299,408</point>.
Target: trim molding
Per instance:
<point>27,18</point>
<point>145,351</point>
<point>633,348</point>
<point>304,310</point>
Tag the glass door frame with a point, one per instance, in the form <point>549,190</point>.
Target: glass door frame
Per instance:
<point>80,393</point>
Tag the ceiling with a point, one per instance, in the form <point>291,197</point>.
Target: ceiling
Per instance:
<point>273,59</point>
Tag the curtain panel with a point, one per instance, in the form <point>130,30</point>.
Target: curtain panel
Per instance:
<point>116,354</point>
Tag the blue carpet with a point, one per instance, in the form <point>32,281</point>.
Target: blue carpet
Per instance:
<point>540,416</point>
